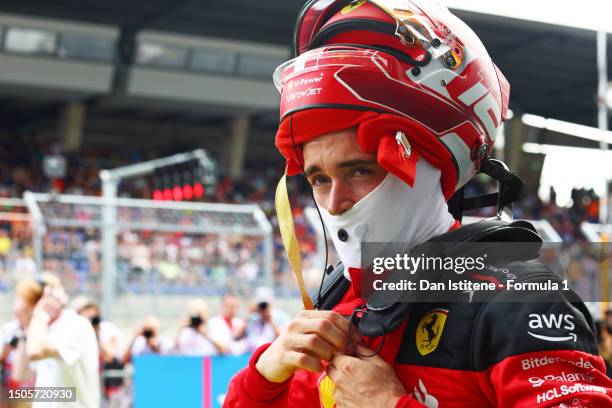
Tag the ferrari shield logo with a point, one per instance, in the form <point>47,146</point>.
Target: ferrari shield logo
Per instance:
<point>429,330</point>
<point>326,391</point>
<point>352,6</point>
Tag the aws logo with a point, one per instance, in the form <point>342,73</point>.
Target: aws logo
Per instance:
<point>552,321</point>
<point>429,330</point>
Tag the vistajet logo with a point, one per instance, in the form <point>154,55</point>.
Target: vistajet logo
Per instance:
<point>301,94</point>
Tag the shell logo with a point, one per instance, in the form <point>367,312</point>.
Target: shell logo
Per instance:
<point>326,391</point>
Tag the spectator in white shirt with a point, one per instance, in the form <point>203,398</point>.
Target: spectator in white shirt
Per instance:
<point>60,345</point>
<point>225,327</point>
<point>194,339</point>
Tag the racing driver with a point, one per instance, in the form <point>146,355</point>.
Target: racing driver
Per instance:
<point>388,108</point>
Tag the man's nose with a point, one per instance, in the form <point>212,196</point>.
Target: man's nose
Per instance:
<point>340,198</point>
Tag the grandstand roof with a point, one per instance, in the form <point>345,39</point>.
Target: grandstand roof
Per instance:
<point>552,69</point>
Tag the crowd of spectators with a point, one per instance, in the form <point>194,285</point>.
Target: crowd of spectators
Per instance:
<point>149,261</point>
<point>237,330</point>
<point>187,263</point>
<point>566,220</point>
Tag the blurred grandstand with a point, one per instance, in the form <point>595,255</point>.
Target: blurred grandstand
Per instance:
<point>184,263</point>
<point>106,87</point>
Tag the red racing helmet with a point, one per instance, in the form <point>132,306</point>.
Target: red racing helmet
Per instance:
<point>410,76</point>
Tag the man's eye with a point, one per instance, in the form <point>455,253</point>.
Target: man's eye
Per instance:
<point>318,180</point>
<point>361,171</point>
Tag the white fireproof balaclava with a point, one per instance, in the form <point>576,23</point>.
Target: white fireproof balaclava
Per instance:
<point>392,212</point>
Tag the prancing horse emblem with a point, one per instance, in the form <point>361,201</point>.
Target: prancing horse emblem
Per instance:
<point>429,330</point>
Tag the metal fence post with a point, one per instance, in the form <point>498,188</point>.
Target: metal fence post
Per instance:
<point>38,228</point>
<point>109,242</point>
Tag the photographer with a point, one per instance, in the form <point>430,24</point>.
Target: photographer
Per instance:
<point>146,340</point>
<point>193,339</point>
<point>107,333</point>
<point>60,346</point>
<point>265,322</point>
<point>109,341</point>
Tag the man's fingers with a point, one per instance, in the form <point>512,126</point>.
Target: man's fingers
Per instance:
<point>324,329</point>
<point>304,361</point>
<point>340,322</point>
<point>314,344</point>
<point>336,319</point>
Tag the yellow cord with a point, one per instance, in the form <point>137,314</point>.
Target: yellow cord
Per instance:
<point>290,241</point>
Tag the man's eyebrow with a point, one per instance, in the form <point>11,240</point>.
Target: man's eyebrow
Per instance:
<point>310,170</point>
<point>356,162</point>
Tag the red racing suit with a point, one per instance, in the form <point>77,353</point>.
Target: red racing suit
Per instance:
<point>540,352</point>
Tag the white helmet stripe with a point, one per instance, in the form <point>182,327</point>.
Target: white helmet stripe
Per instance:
<point>473,94</point>
<point>462,154</point>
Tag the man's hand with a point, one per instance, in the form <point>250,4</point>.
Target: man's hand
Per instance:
<point>364,381</point>
<point>50,304</point>
<point>47,309</point>
<point>312,337</point>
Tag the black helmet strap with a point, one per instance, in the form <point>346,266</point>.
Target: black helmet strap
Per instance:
<point>510,187</point>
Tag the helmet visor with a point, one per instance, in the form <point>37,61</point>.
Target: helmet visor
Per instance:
<point>321,60</point>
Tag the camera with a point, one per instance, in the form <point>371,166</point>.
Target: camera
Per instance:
<point>14,342</point>
<point>95,320</point>
<point>195,321</point>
